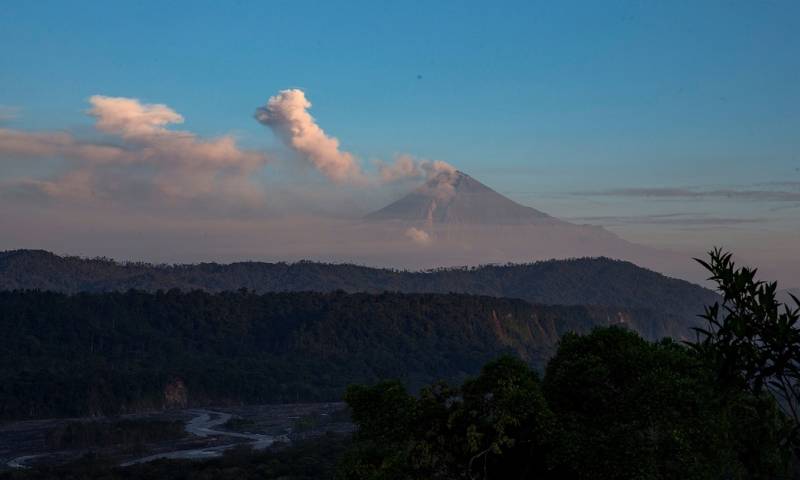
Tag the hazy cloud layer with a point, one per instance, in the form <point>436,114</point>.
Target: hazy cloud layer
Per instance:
<point>141,158</point>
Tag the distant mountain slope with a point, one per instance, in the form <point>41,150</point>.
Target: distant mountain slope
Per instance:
<point>595,281</point>
<point>465,201</point>
<point>116,352</point>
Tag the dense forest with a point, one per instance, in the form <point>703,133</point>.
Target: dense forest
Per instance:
<point>586,281</point>
<point>105,353</point>
<point>609,406</point>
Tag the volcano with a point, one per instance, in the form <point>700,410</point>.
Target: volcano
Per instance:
<point>453,219</point>
<point>456,198</point>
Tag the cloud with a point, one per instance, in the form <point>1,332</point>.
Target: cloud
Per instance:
<point>75,184</point>
<point>790,184</point>
<point>784,207</point>
<point>19,144</point>
<point>678,219</point>
<point>141,158</point>
<point>130,118</point>
<point>418,236</point>
<point>684,192</point>
<point>287,115</point>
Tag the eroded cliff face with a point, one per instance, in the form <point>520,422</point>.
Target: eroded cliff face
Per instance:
<point>533,340</point>
<point>534,335</point>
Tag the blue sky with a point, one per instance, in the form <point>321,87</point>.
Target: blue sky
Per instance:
<point>555,104</point>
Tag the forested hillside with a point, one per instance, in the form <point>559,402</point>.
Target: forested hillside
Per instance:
<point>586,281</point>
<point>93,353</point>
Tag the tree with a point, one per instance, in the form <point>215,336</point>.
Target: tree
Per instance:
<point>384,414</point>
<point>496,425</point>
<point>503,423</point>
<point>631,409</point>
<point>752,340</point>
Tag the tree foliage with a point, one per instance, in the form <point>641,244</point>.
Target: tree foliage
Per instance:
<point>633,409</point>
<point>752,340</point>
<point>491,426</point>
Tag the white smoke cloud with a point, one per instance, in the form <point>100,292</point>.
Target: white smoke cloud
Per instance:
<point>287,115</point>
<point>418,236</point>
<point>146,158</point>
<point>441,177</point>
<point>405,167</point>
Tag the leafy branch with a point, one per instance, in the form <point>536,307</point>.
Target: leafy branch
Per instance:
<point>751,339</point>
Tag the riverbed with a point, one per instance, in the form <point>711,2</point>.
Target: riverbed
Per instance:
<point>209,432</point>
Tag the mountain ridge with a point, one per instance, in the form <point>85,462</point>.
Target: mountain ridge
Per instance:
<point>597,281</point>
